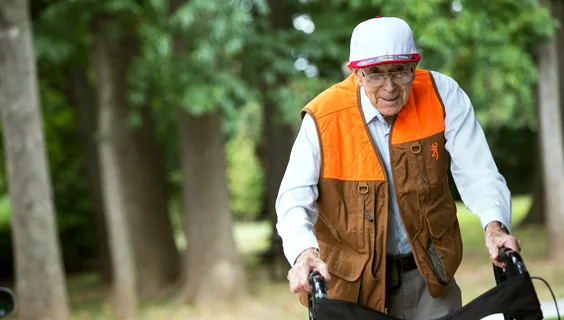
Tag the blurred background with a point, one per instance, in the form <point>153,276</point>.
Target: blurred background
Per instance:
<point>167,127</point>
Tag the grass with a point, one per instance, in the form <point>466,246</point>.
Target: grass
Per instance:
<point>273,301</point>
<point>473,236</point>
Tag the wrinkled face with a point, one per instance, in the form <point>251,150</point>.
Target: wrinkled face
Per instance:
<point>387,86</point>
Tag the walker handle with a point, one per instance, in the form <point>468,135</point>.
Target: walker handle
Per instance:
<point>318,292</point>
<point>318,288</point>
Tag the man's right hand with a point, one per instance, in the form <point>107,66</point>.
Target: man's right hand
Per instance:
<point>308,261</point>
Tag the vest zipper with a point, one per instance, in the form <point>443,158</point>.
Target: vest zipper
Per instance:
<point>421,171</point>
<point>363,190</point>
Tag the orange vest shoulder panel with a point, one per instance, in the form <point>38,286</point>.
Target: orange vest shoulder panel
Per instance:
<point>423,115</point>
<point>346,149</point>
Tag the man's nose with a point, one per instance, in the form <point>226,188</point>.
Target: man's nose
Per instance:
<point>389,85</point>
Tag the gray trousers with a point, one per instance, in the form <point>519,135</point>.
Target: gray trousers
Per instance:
<point>412,300</point>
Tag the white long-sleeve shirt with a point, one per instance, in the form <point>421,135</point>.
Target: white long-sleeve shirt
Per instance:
<point>482,188</point>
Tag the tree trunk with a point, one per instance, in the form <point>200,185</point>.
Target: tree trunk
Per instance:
<point>157,258</point>
<point>551,142</point>
<point>144,185</point>
<point>213,270</point>
<point>558,13</point>
<point>110,64</point>
<point>83,97</point>
<point>275,154</point>
<point>40,279</point>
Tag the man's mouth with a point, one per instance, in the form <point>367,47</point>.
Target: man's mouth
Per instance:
<point>391,99</point>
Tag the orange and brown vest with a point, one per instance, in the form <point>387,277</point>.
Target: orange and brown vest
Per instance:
<point>353,192</point>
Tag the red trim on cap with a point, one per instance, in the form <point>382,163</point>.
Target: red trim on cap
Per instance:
<point>396,58</point>
<point>378,17</point>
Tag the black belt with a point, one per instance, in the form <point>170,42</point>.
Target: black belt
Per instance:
<point>395,266</point>
<point>401,263</point>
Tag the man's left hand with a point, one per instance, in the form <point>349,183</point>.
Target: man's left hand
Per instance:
<point>497,238</point>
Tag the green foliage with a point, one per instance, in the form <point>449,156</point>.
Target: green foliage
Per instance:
<point>293,95</point>
<point>244,174</point>
<point>60,29</point>
<point>245,178</point>
<point>197,75</point>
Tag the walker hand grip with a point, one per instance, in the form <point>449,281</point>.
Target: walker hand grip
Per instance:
<point>318,289</point>
<point>512,261</point>
<point>318,292</point>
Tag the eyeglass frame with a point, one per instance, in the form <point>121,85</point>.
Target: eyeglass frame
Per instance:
<point>389,75</point>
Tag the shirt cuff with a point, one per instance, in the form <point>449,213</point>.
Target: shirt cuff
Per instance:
<point>297,244</point>
<point>494,214</point>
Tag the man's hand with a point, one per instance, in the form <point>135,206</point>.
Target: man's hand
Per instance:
<point>497,238</point>
<point>307,262</point>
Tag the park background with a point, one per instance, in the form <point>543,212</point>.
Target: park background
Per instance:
<point>144,142</point>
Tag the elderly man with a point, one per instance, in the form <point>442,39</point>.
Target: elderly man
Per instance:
<point>365,199</point>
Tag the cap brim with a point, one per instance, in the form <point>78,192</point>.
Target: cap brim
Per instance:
<point>393,58</point>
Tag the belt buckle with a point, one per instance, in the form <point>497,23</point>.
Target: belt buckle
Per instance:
<point>406,263</point>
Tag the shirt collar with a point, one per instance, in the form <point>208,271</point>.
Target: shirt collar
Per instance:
<point>370,112</point>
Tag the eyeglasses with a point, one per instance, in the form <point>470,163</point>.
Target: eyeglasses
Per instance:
<point>378,79</point>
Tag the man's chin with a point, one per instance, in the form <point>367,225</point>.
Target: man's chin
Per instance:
<point>389,111</point>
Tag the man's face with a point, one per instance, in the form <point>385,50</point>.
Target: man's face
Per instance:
<point>387,86</point>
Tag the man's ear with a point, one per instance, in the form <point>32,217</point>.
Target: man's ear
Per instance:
<point>356,73</point>
<point>413,68</point>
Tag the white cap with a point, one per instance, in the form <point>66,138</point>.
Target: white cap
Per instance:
<point>380,41</point>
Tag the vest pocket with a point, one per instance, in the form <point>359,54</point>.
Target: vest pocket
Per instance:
<point>432,161</point>
<point>436,264</point>
<point>345,267</point>
<point>443,247</point>
<point>435,158</point>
